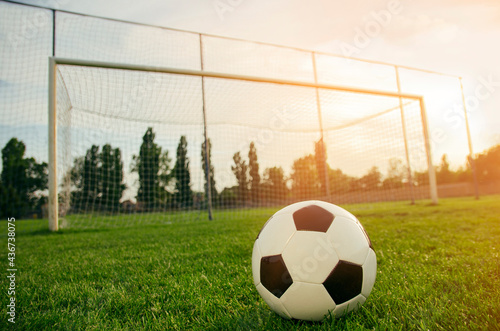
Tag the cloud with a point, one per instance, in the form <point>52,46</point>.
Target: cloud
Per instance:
<point>406,28</point>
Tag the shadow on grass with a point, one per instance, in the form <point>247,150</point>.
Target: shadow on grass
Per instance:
<point>264,319</point>
<point>39,232</point>
<point>47,232</point>
<point>84,230</point>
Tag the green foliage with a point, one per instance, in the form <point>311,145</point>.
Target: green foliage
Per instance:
<point>274,187</point>
<point>11,203</point>
<point>371,181</point>
<point>395,175</point>
<point>148,166</point>
<point>488,165</point>
<point>14,166</point>
<point>228,197</point>
<point>97,179</point>
<point>22,180</point>
<point>421,178</point>
<point>153,168</point>
<point>183,195</point>
<point>91,178</point>
<point>240,170</point>
<point>438,269</point>
<point>321,165</point>
<point>254,176</point>
<point>111,177</point>
<point>339,182</point>
<point>444,175</point>
<point>305,179</point>
<point>487,168</point>
<point>205,161</point>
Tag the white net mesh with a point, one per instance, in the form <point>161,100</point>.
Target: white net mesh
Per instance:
<point>112,110</point>
<point>133,142</point>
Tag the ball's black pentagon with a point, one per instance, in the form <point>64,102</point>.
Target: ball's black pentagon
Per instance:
<point>312,218</point>
<point>344,282</point>
<point>274,275</point>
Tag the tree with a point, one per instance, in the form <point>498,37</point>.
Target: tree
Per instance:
<point>253,171</point>
<point>464,173</point>
<point>370,181</point>
<point>229,197</point>
<point>111,177</point>
<point>275,184</point>
<point>165,177</point>
<point>240,170</point>
<point>443,174</point>
<point>395,174</point>
<point>488,165</point>
<point>147,165</point>
<point>97,179</point>
<point>339,182</point>
<point>155,176</point>
<point>305,179</point>
<point>22,180</point>
<point>76,177</point>
<point>90,189</point>
<point>183,195</point>
<point>11,203</point>
<point>211,171</point>
<point>421,178</point>
<point>117,184</point>
<point>321,166</point>
<point>37,175</point>
<point>14,166</point>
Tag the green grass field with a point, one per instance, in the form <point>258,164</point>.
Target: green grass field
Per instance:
<point>438,269</point>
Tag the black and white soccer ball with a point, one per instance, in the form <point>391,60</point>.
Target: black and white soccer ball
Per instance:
<point>313,259</point>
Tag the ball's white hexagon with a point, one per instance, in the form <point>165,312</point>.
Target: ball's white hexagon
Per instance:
<point>256,257</point>
<point>307,301</point>
<point>369,273</point>
<point>309,257</point>
<point>273,302</point>
<point>348,240</point>
<point>349,306</point>
<point>275,234</point>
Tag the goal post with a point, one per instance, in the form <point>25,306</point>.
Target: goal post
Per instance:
<point>53,196</point>
<point>218,115</point>
<point>430,165</point>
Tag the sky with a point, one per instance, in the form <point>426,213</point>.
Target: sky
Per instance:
<point>458,37</point>
<point>455,37</point>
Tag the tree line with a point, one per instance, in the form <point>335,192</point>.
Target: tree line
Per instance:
<point>23,182</point>
<point>312,177</point>
<point>96,180</point>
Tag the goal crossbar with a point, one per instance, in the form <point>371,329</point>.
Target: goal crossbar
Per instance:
<point>189,72</point>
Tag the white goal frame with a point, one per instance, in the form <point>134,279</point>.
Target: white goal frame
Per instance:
<point>55,61</point>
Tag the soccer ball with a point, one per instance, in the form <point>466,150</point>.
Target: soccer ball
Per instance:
<point>313,259</point>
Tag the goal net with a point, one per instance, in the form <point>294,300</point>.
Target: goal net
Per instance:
<point>149,143</point>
